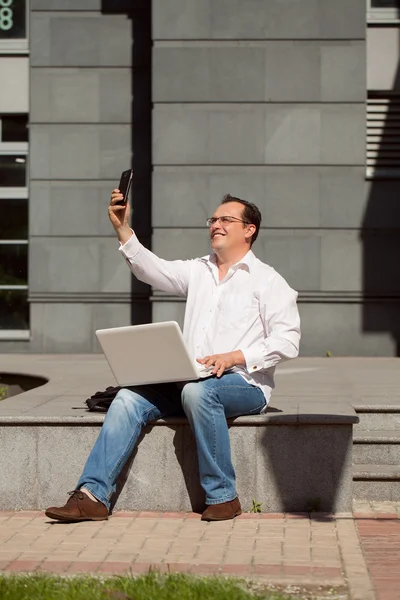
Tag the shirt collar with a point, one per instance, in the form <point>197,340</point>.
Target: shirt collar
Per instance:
<point>246,263</point>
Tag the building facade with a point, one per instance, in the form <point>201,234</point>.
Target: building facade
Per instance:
<point>289,104</point>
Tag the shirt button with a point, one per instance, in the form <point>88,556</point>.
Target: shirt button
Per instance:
<point>254,368</point>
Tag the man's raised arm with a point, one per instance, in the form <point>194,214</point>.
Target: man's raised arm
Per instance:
<point>171,277</point>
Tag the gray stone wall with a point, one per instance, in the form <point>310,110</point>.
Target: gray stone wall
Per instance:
<point>80,114</point>
<point>266,100</point>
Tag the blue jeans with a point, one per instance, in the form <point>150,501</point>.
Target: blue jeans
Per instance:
<point>207,403</point>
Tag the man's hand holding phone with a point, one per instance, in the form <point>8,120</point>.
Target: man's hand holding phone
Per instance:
<point>119,208</point>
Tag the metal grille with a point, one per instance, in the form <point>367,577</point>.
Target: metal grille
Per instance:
<point>383,134</point>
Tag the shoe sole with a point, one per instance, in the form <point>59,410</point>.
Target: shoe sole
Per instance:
<point>66,519</point>
<point>239,512</point>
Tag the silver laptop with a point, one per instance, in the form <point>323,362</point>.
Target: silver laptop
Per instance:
<point>151,353</point>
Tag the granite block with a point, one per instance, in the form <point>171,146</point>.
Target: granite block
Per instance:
<point>335,327</point>
<point>377,454</point>
<point>246,134</point>
<point>62,452</point>
<point>341,261</point>
<point>70,208</point>
<point>157,462</point>
<point>235,19</point>
<point>69,40</point>
<point>343,72</point>
<point>79,151</point>
<point>18,460</point>
<point>80,95</point>
<point>376,491</point>
<point>374,421</point>
<point>323,477</point>
<point>86,264</point>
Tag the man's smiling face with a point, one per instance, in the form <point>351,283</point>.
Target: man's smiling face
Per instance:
<point>229,236</point>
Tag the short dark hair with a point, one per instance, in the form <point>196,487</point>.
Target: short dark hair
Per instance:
<point>251,213</point>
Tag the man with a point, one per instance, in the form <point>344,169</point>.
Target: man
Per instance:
<point>241,318</point>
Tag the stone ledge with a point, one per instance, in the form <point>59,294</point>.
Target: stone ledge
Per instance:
<point>286,468</point>
<point>376,472</point>
<point>384,436</point>
<point>298,453</point>
<point>345,416</point>
<point>376,408</point>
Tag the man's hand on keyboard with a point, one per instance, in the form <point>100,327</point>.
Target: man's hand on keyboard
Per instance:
<point>223,362</point>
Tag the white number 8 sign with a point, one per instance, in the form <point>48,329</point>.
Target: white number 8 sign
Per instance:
<point>6,15</point>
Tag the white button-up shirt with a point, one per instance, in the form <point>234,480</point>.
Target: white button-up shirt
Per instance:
<point>252,309</point>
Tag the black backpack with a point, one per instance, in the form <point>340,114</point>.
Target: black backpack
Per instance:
<point>100,401</point>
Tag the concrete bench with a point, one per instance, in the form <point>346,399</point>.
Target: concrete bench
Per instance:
<point>297,457</point>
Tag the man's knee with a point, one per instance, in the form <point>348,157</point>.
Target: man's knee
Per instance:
<point>122,400</point>
<point>126,403</point>
<point>195,397</point>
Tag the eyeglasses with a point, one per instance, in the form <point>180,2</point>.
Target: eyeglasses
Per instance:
<point>225,221</point>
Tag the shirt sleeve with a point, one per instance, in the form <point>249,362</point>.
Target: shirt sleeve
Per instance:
<point>170,276</point>
<point>281,320</point>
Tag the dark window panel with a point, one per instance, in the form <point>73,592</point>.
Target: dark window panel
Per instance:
<point>14,221</point>
<point>13,20</point>
<point>385,3</point>
<point>14,128</point>
<point>13,171</point>
<point>13,264</point>
<point>14,309</point>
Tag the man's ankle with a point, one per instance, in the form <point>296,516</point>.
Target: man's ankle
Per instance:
<point>85,491</point>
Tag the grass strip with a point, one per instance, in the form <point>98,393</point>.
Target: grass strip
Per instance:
<point>152,586</point>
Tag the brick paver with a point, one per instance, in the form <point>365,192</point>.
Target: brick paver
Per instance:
<point>280,548</point>
<point>357,551</point>
<point>379,530</point>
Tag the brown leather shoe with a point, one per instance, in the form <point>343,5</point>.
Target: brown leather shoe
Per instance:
<point>222,511</point>
<point>78,508</point>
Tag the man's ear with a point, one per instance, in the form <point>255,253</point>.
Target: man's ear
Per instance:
<point>251,229</point>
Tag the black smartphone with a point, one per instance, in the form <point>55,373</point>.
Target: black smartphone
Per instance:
<point>125,185</point>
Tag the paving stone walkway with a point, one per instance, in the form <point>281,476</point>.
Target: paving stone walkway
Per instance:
<point>291,548</point>
<point>378,527</point>
<point>280,546</point>
<point>357,554</point>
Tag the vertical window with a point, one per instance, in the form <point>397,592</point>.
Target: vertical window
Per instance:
<point>14,108</point>
<point>14,309</point>
<point>383,85</point>
<point>383,11</point>
<point>383,134</point>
